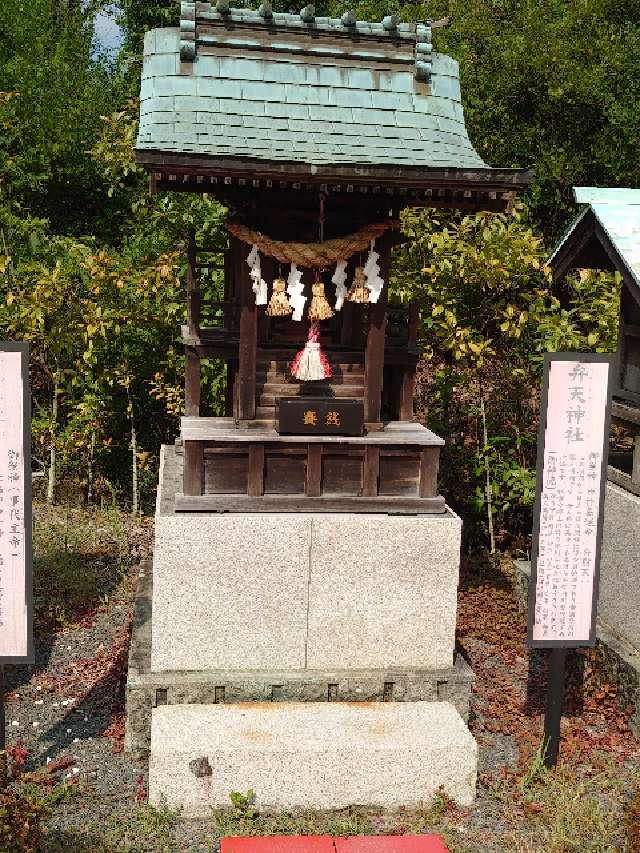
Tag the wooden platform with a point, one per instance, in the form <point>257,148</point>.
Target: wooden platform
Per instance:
<point>254,469</point>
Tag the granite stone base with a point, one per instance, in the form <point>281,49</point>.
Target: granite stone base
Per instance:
<point>147,690</point>
<point>619,593</point>
<point>310,755</point>
<point>300,590</point>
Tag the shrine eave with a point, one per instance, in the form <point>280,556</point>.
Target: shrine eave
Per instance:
<point>484,188</point>
<point>604,235</point>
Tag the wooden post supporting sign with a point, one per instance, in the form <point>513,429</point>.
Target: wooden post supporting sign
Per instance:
<point>571,480</point>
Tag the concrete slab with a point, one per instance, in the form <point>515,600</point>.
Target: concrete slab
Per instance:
<point>383,591</point>
<point>230,591</point>
<point>619,593</point>
<point>310,755</point>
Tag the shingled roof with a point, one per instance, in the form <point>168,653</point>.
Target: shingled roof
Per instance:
<point>238,87</point>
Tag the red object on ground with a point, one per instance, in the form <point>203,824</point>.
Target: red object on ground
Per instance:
<point>391,844</point>
<point>279,844</point>
<point>326,844</point>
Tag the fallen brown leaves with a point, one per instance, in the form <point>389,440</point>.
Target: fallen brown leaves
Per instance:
<point>511,680</point>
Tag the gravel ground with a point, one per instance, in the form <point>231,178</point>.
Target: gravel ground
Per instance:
<point>70,706</point>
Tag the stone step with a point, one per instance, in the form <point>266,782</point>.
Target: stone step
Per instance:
<point>318,755</point>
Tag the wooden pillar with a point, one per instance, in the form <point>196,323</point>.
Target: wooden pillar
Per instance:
<point>408,380</point>
<point>429,464</point>
<point>193,477</point>
<point>192,383</point>
<point>255,478</point>
<point>374,354</point>
<point>192,365</point>
<point>371,471</point>
<point>232,367</point>
<point>193,290</point>
<point>313,479</point>
<point>407,390</point>
<point>246,376</point>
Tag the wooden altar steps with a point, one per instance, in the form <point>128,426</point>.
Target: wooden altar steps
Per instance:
<point>273,381</point>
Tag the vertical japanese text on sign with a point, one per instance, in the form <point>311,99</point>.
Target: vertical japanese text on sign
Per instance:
<point>571,479</point>
<point>15,507</point>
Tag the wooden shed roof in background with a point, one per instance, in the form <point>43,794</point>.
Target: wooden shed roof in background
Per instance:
<point>604,235</point>
<point>314,97</point>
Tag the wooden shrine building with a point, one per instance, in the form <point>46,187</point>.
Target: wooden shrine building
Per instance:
<point>314,133</point>
<point>606,236</point>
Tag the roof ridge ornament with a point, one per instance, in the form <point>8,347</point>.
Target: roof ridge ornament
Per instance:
<point>187,30</point>
<point>193,13</point>
<point>308,14</point>
<point>424,52</point>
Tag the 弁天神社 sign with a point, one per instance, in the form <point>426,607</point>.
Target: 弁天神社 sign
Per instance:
<point>16,640</point>
<point>572,465</point>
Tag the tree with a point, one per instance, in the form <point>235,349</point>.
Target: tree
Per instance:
<point>545,83</point>
<point>55,92</point>
<point>488,316</point>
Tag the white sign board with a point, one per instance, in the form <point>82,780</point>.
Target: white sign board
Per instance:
<point>572,471</point>
<point>16,642</point>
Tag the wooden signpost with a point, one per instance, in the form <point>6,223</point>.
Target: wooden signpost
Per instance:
<point>571,479</point>
<point>16,612</point>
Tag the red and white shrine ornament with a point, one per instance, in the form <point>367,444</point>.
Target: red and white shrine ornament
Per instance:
<point>311,364</point>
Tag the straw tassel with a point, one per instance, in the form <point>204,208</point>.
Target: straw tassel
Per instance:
<point>358,292</point>
<point>311,364</point>
<point>279,305</point>
<point>319,308</point>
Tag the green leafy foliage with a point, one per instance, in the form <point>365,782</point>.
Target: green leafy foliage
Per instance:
<point>23,820</point>
<point>545,84</point>
<point>92,266</point>
<point>489,313</point>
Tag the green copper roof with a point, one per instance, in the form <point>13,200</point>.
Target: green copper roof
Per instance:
<point>295,88</point>
<point>617,211</point>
